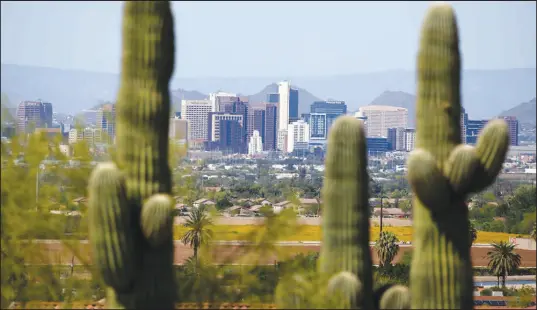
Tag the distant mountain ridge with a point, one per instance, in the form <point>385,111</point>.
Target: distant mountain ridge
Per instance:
<point>485,93</point>
<point>524,112</point>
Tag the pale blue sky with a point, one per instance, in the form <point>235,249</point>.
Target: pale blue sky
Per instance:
<point>225,39</point>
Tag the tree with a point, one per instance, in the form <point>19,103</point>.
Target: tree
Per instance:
<point>503,260</point>
<point>472,232</point>
<point>199,232</point>
<point>386,247</point>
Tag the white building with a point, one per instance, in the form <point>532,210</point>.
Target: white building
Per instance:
<point>281,140</point>
<point>410,139</point>
<point>255,146</point>
<point>298,131</point>
<point>90,135</point>
<point>196,112</point>
<point>219,98</point>
<point>284,89</point>
<point>380,118</point>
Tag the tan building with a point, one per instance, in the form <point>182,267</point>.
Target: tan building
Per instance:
<point>380,118</point>
<point>178,129</point>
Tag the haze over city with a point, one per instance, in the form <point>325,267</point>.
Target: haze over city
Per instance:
<point>269,39</point>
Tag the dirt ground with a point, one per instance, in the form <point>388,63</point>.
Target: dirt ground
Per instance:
<point>57,254</point>
<point>302,221</point>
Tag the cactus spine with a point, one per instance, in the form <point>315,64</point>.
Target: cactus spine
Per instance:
<point>345,250</point>
<point>130,208</point>
<point>442,171</point>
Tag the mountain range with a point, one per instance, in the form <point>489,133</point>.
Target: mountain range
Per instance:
<point>485,93</point>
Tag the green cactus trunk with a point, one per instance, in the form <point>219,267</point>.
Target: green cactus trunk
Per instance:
<point>442,171</point>
<point>130,222</point>
<point>345,223</point>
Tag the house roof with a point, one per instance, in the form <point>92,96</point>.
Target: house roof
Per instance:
<point>101,305</point>
<point>390,211</point>
<point>308,201</point>
<point>233,208</point>
<point>281,204</point>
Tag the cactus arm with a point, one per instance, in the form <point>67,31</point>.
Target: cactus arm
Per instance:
<point>345,288</point>
<point>395,297</point>
<point>492,146</point>
<point>157,219</point>
<point>462,164</point>
<point>111,227</point>
<point>427,180</point>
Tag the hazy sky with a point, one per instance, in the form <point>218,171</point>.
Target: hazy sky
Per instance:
<point>283,38</point>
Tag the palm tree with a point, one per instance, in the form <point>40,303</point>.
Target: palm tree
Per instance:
<point>533,232</point>
<point>472,233</point>
<point>503,260</point>
<point>199,232</point>
<point>386,247</point>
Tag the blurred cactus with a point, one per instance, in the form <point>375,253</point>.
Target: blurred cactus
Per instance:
<point>130,207</point>
<point>442,171</point>
<point>344,278</point>
<point>346,211</point>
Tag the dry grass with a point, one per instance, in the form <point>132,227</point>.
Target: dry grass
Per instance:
<point>313,233</point>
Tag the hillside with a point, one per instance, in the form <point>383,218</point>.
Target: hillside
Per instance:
<point>524,112</point>
<point>305,98</point>
<point>485,93</point>
<point>398,99</point>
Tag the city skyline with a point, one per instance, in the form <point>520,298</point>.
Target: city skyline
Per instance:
<point>502,35</point>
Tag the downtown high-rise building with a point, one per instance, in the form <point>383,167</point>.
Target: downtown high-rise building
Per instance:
<point>323,114</point>
<point>256,121</point>
<point>33,114</point>
<point>255,145</point>
<point>380,118</point>
<point>298,135</point>
<point>196,112</point>
<point>271,127</point>
<point>106,121</point>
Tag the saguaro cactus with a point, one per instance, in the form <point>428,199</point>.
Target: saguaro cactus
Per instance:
<point>345,250</point>
<point>442,171</point>
<point>130,207</point>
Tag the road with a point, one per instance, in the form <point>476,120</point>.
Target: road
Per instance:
<point>232,252</point>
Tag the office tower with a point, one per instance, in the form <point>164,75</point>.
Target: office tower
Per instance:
<point>397,138</point>
<point>332,109</point>
<point>305,117</point>
<point>293,105</point>
<point>33,114</point>
<point>240,107</point>
<point>318,128</point>
<point>89,117</point>
<point>464,124</point>
<point>178,129</point>
<point>473,129</point>
<point>271,127</point>
<point>255,146</point>
<point>380,118</point>
<point>256,121</point>
<point>297,132</point>
<point>273,98</point>
<point>47,114</point>
<point>220,99</point>
<point>410,139</point>
<point>231,134</point>
<point>512,124</point>
<point>106,121</point>
<point>283,107</point>
<point>91,135</point>
<point>196,112</point>
<point>214,121</point>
